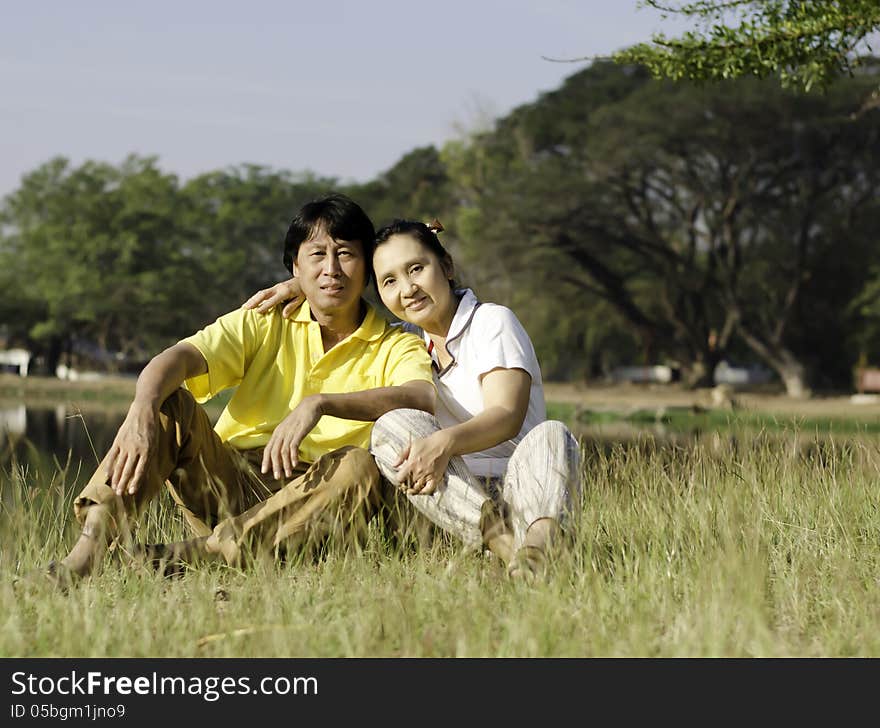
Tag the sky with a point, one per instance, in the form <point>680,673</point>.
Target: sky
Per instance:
<point>342,88</point>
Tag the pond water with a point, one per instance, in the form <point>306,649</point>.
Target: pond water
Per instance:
<point>48,438</point>
<point>42,436</point>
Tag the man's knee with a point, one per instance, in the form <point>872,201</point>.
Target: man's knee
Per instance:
<point>358,465</point>
<point>178,405</point>
<point>347,469</point>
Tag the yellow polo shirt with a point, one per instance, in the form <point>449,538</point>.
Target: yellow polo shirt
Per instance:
<point>276,362</point>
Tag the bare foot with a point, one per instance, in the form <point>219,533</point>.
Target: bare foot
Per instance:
<point>88,552</point>
<point>530,560</point>
<point>172,558</point>
<point>497,536</point>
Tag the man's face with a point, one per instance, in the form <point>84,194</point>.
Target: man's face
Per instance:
<point>332,273</point>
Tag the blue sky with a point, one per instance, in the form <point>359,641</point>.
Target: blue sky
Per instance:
<point>342,88</point>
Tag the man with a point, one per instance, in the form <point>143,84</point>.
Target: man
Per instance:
<point>308,390</point>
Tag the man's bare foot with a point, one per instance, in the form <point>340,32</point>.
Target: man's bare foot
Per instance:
<point>172,558</point>
<point>60,576</point>
<point>88,552</point>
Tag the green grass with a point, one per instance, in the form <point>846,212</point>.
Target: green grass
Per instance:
<point>732,547</point>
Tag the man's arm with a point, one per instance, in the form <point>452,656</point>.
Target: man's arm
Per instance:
<point>134,442</point>
<point>371,404</point>
<point>282,451</point>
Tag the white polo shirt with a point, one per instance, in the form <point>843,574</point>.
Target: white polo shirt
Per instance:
<point>483,337</point>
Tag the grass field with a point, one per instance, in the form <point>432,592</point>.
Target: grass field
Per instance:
<point>763,544</point>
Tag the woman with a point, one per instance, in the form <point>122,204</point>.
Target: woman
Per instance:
<point>490,427</point>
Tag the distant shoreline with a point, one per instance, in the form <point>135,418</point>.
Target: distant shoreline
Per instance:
<point>110,392</point>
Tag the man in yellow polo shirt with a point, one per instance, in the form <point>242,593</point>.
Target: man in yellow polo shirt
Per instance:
<point>286,463</point>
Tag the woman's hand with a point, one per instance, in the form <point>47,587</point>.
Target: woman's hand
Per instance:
<point>281,454</point>
<point>266,299</point>
<point>422,465</point>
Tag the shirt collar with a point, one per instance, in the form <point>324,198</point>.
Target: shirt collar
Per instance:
<point>467,304</point>
<point>463,314</point>
<point>371,328</point>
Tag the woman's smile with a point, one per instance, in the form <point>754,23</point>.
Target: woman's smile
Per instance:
<point>418,303</point>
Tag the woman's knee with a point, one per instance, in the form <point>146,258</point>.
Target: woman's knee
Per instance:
<point>550,431</point>
<point>403,423</point>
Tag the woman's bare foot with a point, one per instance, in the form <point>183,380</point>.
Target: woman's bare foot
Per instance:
<point>497,536</point>
<point>530,560</point>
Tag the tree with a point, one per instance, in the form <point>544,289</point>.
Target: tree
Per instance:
<point>234,226</point>
<point>95,255</point>
<point>703,216</point>
<point>416,187</point>
<point>806,43</point>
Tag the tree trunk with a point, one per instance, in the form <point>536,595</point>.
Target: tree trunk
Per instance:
<point>54,352</point>
<point>699,374</point>
<point>795,380</point>
<point>781,360</point>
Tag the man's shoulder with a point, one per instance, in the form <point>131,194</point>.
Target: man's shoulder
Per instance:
<point>399,343</point>
<point>398,335</point>
<point>262,322</point>
<point>239,325</point>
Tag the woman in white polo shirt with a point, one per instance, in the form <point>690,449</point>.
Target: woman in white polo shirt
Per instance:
<point>489,467</point>
<point>491,425</point>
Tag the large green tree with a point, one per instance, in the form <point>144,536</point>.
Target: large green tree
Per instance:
<point>95,256</point>
<point>703,216</point>
<point>415,187</point>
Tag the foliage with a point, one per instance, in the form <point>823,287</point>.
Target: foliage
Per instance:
<point>95,253</point>
<point>123,259</point>
<point>625,220</point>
<point>416,187</point>
<point>705,217</point>
<point>806,43</point>
<point>235,224</point>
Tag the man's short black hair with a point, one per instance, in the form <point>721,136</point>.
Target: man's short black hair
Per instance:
<point>337,215</point>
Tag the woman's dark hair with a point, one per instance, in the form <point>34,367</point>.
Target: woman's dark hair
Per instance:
<point>421,232</point>
<point>337,215</point>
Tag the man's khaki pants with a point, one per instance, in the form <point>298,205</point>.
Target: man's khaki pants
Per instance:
<point>222,494</point>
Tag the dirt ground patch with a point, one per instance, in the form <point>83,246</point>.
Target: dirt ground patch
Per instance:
<point>108,392</point>
<point>618,397</point>
<point>118,392</point>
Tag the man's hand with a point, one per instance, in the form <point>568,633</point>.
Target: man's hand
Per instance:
<point>282,451</point>
<point>422,465</point>
<point>266,299</point>
<point>132,447</point>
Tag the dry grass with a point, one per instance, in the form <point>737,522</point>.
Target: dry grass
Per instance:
<point>735,547</point>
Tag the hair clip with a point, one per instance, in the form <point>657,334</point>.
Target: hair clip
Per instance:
<point>435,226</point>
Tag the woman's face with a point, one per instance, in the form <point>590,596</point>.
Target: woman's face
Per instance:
<point>414,283</point>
